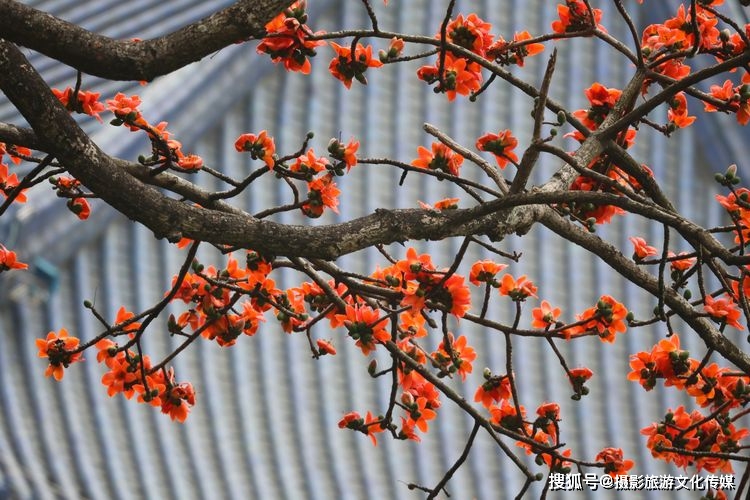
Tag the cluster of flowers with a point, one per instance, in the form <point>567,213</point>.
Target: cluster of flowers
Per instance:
<point>707,439</point>
<point>442,158</point>
<point>665,47</point>
<point>9,184</point>
<point>166,150</point>
<point>456,74</point>
<point>129,373</point>
<point>318,172</point>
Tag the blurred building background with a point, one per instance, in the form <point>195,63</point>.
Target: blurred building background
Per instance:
<point>265,422</point>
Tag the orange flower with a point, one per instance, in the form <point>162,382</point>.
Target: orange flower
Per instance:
<point>457,297</point>
<point>444,204</point>
<point>322,192</point>
<point>369,425</point>
<point>309,164</point>
<point>80,207</point>
<point>677,112</point>
<point>123,374</point>
<point>419,267</point>
<point>287,39</point>
<point>578,378</point>
<point>614,464</point>
<point>177,401</point>
<point>680,264</point>
<point>724,310</point>
<point>8,260</point>
<point>602,100</point>
<point>395,47</point>
<point>345,68</point>
<point>641,249</point>
<point>87,102</point>
<point>736,100</point>
<point>574,16</point>
<point>544,316</point>
<point>460,76</point>
<point>484,271</point>
<point>664,361</point>
<point>126,109</point>
<point>493,390</point>
<point>260,147</point>
<point>506,416</point>
<point>190,162</point>
<point>346,154</point>
<point>440,158</point>
<point>365,326</point>
<point>471,33</point>
<point>518,289</point>
<point>58,347</point>
<point>9,182</point>
<point>463,356</point>
<point>606,318</point>
<point>501,145</point>
<point>514,53</point>
<point>325,347</point>
<point>420,413</point>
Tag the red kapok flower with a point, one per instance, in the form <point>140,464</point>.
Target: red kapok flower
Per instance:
<point>346,68</point>
<point>484,271</point>
<point>641,249</point>
<point>724,310</point>
<point>544,315</point>
<point>501,145</point>
<point>57,348</point>
<point>260,147</point>
<point>86,102</point>
<point>614,464</point>
<point>517,289</point>
<point>8,260</point>
<point>440,158</point>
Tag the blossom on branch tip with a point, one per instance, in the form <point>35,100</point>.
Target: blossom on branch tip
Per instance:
<point>641,249</point>
<point>288,40</point>
<point>345,154</point>
<point>484,271</point>
<point>460,76</point>
<point>614,463</point>
<point>444,204</point>
<point>501,145</point>
<point>515,52</point>
<point>58,349</point>
<point>517,289</point>
<point>365,326</point>
<point>493,390</point>
<point>80,207</point>
<point>260,146</point>
<point>322,192</point>
<point>86,102</point>
<point>8,184</point>
<point>724,310</point>
<point>574,15</point>
<point>440,157</point>
<point>325,347</point>
<point>470,32</point>
<point>545,315</point>
<point>9,261</point>
<point>346,68</point>
<point>126,110</point>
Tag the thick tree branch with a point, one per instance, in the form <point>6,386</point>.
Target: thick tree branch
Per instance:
<point>128,60</point>
<point>633,273</point>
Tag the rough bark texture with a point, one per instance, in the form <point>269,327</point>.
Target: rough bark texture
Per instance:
<point>128,60</point>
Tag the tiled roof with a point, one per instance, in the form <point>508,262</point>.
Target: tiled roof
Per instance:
<point>265,423</point>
